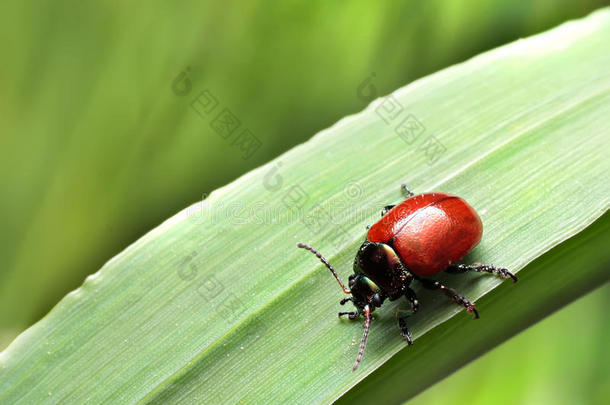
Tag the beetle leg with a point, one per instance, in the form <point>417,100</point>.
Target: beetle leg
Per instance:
<point>408,192</point>
<point>350,315</point>
<point>410,295</point>
<point>402,324</point>
<point>402,314</point>
<point>481,268</point>
<point>386,209</point>
<point>452,294</point>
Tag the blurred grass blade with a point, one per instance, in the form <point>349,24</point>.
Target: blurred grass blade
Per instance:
<point>218,305</point>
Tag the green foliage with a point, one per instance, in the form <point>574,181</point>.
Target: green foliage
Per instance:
<point>217,304</point>
<point>95,149</point>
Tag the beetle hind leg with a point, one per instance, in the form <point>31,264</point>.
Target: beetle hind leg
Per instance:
<point>481,268</point>
<point>406,190</point>
<point>451,293</point>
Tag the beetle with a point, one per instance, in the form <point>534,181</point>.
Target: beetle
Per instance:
<point>424,235</point>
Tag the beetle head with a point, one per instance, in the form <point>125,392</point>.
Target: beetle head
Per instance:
<point>379,263</point>
<point>365,292</point>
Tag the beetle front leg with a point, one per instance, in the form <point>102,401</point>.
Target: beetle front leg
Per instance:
<point>402,314</point>
<point>481,268</point>
<point>351,315</point>
<point>402,324</point>
<point>410,295</point>
<point>451,293</point>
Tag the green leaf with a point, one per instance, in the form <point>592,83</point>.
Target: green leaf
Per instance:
<point>90,167</point>
<point>537,362</point>
<point>218,304</point>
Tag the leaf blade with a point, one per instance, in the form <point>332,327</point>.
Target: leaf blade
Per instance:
<point>156,318</point>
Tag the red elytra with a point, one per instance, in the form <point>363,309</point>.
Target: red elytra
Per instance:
<point>429,231</point>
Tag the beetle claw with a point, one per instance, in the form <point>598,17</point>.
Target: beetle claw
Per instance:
<point>407,336</point>
<point>511,275</point>
<point>504,273</point>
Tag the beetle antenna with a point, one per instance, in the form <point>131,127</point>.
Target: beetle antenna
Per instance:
<point>367,328</point>
<point>327,264</point>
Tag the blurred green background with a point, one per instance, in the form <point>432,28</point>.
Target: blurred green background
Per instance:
<point>99,143</point>
<point>563,360</point>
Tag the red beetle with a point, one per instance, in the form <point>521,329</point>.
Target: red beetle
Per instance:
<point>424,235</point>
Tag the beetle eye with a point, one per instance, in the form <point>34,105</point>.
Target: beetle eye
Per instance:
<point>351,281</point>
<point>377,300</point>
